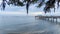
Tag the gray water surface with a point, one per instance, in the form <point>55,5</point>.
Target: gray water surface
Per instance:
<point>27,25</point>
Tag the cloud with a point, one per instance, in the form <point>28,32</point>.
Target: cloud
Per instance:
<point>12,13</point>
<point>20,13</point>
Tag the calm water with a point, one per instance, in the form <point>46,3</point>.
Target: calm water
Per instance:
<point>27,25</point>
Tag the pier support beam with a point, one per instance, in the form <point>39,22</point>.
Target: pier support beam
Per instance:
<point>56,19</point>
<point>53,18</point>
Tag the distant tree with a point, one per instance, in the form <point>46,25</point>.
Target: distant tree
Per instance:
<point>48,4</point>
<point>28,2</point>
<point>13,2</point>
<point>20,3</point>
<point>3,4</point>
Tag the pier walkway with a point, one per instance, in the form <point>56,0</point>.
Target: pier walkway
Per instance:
<point>48,18</point>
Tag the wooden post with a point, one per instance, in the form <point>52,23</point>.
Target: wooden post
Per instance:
<point>56,19</point>
<point>48,19</point>
<point>53,19</point>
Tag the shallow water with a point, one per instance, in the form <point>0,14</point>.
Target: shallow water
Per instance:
<point>27,25</point>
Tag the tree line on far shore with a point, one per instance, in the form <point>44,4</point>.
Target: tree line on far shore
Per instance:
<point>49,4</point>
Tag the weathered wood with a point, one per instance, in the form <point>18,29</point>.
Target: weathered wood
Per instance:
<point>47,17</point>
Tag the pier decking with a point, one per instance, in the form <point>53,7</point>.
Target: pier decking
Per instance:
<point>48,17</point>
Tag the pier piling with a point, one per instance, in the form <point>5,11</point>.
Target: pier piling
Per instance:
<point>48,18</point>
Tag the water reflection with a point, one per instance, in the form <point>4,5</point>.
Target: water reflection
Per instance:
<point>26,25</point>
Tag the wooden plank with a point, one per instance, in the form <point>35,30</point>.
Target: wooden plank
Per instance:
<point>47,17</point>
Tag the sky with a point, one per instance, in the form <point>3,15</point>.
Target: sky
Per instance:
<point>33,10</point>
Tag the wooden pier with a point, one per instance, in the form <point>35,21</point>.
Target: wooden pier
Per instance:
<point>48,18</point>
